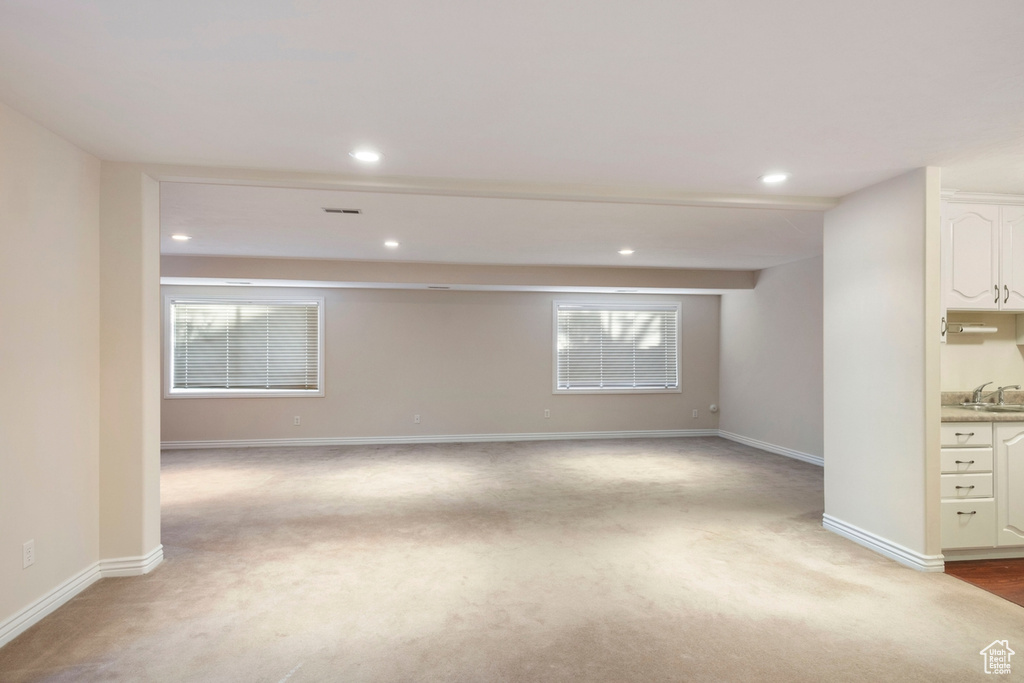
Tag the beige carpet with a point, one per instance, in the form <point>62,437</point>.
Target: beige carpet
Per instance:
<point>644,560</point>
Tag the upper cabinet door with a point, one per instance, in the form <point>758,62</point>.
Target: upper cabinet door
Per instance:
<point>1011,263</point>
<point>971,277</point>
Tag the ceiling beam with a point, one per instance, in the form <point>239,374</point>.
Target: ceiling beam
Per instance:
<point>480,188</point>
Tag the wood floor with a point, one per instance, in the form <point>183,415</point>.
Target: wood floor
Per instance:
<point>1004,578</point>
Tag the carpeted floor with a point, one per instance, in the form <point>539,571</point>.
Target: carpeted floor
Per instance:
<point>640,560</point>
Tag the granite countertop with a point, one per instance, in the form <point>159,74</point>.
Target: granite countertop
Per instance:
<point>953,412</point>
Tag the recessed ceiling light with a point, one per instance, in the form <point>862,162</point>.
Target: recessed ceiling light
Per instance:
<point>181,238</point>
<point>391,244</point>
<point>367,155</point>
<point>625,252</point>
<point>773,178</point>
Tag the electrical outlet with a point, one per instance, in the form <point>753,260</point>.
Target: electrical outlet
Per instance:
<point>298,421</point>
<point>547,413</point>
<point>695,413</point>
<point>416,419</point>
<point>28,554</point>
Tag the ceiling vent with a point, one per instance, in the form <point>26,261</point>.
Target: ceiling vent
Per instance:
<point>357,211</point>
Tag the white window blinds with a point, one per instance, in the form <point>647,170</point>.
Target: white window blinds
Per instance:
<point>617,348</point>
<point>249,346</point>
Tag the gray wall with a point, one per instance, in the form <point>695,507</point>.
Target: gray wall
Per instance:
<point>771,360</point>
<point>466,362</point>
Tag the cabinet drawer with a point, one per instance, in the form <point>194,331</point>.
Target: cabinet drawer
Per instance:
<point>966,485</point>
<point>968,523</point>
<point>959,460</point>
<point>966,434</point>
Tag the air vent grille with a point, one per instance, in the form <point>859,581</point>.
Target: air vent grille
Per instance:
<point>330,210</point>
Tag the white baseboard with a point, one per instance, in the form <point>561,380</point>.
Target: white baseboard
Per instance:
<point>31,615</point>
<point>772,448</point>
<point>984,554</point>
<point>883,546</point>
<point>445,438</point>
<point>132,566</point>
<point>14,626</point>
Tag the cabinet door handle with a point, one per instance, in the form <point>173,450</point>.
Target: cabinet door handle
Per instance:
<point>1007,297</point>
<point>972,512</point>
<point>996,287</point>
<point>966,487</point>
<point>964,462</point>
<point>964,434</point>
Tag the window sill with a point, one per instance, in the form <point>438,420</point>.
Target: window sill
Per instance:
<point>677,390</point>
<point>242,393</point>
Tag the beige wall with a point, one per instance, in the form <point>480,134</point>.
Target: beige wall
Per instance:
<point>881,365</point>
<point>972,359</point>
<point>466,362</point>
<point>49,359</point>
<point>130,361</point>
<point>771,372</point>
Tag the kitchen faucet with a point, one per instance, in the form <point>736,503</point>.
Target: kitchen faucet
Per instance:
<point>978,397</point>
<point>999,392</point>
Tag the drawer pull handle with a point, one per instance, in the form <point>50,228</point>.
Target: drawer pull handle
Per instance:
<point>966,487</point>
<point>972,512</point>
<point>964,434</point>
<point>964,462</point>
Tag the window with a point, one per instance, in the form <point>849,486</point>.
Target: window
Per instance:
<point>616,348</point>
<point>221,347</point>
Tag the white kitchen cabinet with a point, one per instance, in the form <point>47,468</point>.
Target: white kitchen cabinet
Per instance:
<point>966,485</point>
<point>1009,482</point>
<point>966,435</point>
<point>1011,257</point>
<point>983,257</point>
<point>970,257</point>
<point>968,524</point>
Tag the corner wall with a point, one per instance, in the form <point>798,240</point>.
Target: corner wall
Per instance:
<point>130,362</point>
<point>469,363</point>
<point>881,368</point>
<point>771,362</point>
<point>49,362</point>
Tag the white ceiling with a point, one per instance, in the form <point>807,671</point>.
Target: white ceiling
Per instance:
<point>262,221</point>
<point>696,96</point>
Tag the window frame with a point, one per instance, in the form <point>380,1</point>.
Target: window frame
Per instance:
<point>618,306</point>
<point>168,362</point>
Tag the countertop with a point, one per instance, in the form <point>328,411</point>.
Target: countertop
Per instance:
<point>958,414</point>
<point>952,412</point>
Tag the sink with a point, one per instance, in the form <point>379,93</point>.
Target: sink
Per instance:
<point>1004,408</point>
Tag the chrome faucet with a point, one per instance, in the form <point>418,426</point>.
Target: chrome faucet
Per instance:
<point>1000,399</point>
<point>976,397</point>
